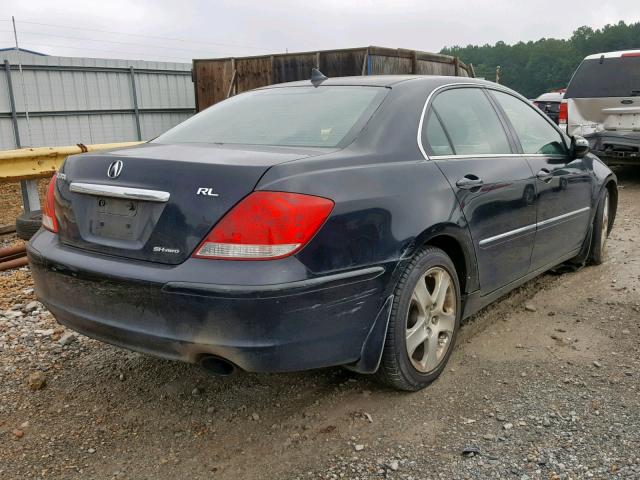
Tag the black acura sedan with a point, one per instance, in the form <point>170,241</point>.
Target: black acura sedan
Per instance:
<point>351,221</point>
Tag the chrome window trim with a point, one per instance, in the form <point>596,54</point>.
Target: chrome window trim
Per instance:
<point>115,191</point>
<point>496,155</point>
<point>500,236</point>
<point>426,104</point>
<point>551,123</point>
<point>482,155</point>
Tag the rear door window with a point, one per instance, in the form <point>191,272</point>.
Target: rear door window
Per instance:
<point>535,133</point>
<point>606,77</point>
<point>470,122</point>
<point>435,137</point>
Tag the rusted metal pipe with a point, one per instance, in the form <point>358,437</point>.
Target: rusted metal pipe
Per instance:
<point>6,258</point>
<point>10,251</point>
<point>17,263</point>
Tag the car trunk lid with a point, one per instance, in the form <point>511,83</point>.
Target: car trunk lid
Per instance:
<point>162,199</point>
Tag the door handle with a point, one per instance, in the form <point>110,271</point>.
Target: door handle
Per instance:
<point>544,175</point>
<point>469,181</point>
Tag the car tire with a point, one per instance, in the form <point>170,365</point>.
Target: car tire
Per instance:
<point>406,363</point>
<point>28,223</point>
<point>601,228</point>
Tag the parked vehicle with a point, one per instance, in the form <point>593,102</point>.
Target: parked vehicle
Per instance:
<point>350,221</point>
<point>549,103</point>
<point>602,103</point>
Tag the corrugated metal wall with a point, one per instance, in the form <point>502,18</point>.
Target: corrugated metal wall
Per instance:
<point>89,100</point>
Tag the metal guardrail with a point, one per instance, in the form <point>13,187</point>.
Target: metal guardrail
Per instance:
<point>41,162</point>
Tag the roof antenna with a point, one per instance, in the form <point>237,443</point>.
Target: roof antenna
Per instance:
<point>317,77</point>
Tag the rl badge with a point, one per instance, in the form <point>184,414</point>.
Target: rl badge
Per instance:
<point>206,191</point>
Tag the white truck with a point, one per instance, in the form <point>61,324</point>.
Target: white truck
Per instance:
<point>602,104</point>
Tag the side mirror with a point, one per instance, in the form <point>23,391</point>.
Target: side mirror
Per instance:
<point>579,146</point>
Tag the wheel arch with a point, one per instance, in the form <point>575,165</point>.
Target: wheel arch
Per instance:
<point>612,186</point>
<point>460,251</point>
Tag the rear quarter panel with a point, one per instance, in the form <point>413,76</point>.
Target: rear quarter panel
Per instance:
<point>384,210</point>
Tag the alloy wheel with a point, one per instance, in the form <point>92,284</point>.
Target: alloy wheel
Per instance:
<point>431,319</point>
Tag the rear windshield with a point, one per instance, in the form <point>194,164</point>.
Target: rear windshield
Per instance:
<point>548,106</point>
<point>284,116</point>
<point>606,77</point>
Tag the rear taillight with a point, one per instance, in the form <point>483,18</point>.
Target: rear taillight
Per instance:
<point>631,54</point>
<point>49,215</point>
<point>563,114</point>
<point>265,226</point>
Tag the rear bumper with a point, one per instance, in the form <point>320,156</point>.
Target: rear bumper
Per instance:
<point>296,321</point>
<point>616,147</point>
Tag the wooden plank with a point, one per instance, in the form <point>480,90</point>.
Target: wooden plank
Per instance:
<point>4,229</point>
<point>253,73</point>
<point>385,65</point>
<point>215,78</point>
<point>232,84</point>
<point>272,76</point>
<point>365,60</point>
<point>390,52</point>
<point>343,64</point>
<point>294,67</point>
<point>194,77</point>
<point>213,81</point>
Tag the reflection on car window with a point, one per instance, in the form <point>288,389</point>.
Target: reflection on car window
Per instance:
<point>283,116</point>
<point>471,122</point>
<point>535,133</point>
<point>435,137</point>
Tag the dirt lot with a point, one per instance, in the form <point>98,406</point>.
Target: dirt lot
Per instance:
<point>543,384</point>
<point>10,203</point>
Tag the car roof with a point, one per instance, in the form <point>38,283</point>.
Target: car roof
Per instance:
<point>386,81</point>
<point>613,54</point>
<point>550,97</point>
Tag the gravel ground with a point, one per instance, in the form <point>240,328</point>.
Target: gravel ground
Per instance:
<point>11,203</point>
<point>543,384</point>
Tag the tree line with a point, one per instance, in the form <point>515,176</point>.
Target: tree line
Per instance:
<point>547,64</point>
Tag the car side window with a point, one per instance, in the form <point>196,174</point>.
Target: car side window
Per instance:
<point>471,122</point>
<point>435,138</point>
<point>536,135</point>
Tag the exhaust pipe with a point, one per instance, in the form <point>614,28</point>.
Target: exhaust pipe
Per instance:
<point>217,366</point>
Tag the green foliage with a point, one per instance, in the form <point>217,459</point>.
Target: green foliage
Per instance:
<point>536,67</point>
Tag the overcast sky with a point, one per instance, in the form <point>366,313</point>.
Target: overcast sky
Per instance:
<point>179,30</point>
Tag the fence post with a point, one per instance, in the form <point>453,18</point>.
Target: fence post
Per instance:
<point>134,93</point>
<point>28,188</point>
<point>12,102</point>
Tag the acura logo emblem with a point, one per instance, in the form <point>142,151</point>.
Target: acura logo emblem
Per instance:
<point>115,169</point>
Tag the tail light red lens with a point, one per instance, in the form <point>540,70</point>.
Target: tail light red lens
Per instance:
<point>49,215</point>
<point>265,226</point>
<point>563,114</point>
